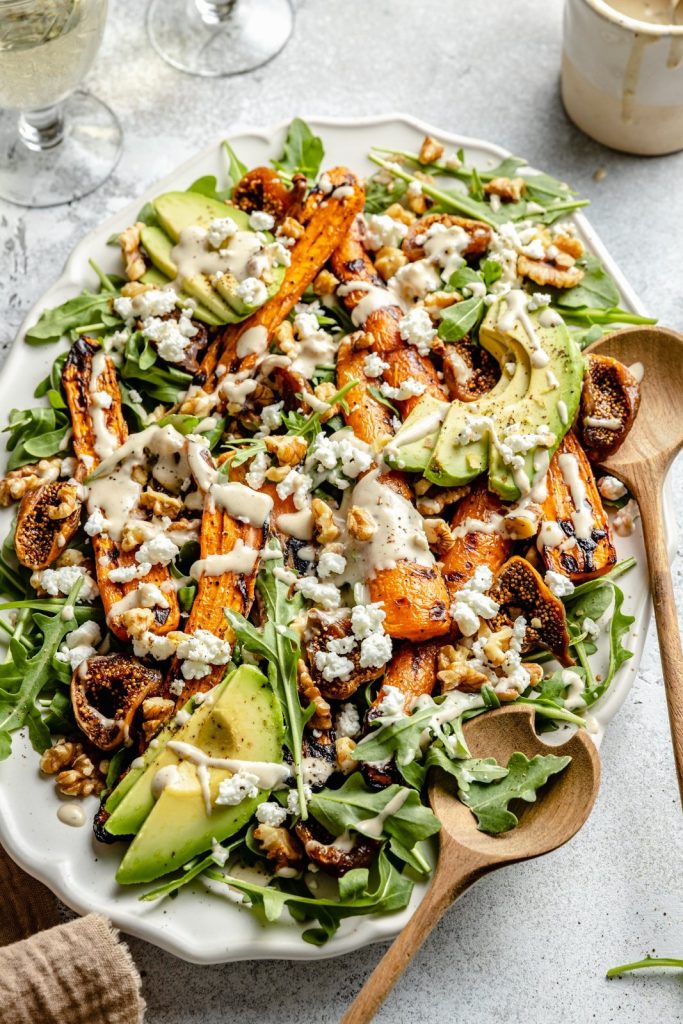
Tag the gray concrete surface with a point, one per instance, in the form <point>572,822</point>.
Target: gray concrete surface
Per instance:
<point>531,943</point>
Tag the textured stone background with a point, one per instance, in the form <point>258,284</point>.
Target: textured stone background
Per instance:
<point>531,943</point>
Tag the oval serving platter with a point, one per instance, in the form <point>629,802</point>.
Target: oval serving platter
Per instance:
<point>202,926</point>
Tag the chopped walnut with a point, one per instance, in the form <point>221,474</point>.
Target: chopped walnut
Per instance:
<point>389,260</point>
<point>417,203</point>
<point>439,535</point>
<point>155,712</point>
<point>344,747</point>
<point>284,338</point>
<point>74,783</point>
<point>137,621</point>
<point>280,846</point>
<point>430,150</point>
<point>72,556</point>
<point>360,523</point>
<point>361,341</point>
<point>521,524</point>
<point>455,673</point>
<point>290,228</point>
<point>129,240</point>
<point>133,288</point>
<point>510,190</point>
<point>289,451</point>
<point>434,504</point>
<point>324,393</point>
<point>140,474</point>
<point>571,246</point>
<point>59,757</point>
<point>497,645</point>
<point>322,717</point>
<point>276,474</point>
<point>68,503</point>
<point>133,533</point>
<point>548,272</point>
<point>325,284</point>
<point>19,482</point>
<point>398,212</point>
<point>161,504</point>
<point>422,485</point>
<point>324,527</point>
<point>262,395</point>
<point>535,672</point>
<point>437,301</point>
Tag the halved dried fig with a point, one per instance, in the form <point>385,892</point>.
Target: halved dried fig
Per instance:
<point>519,590</point>
<point>106,694</point>
<point>263,189</point>
<point>320,847</point>
<point>48,518</point>
<point>480,234</point>
<point>469,371</point>
<point>322,628</point>
<point>609,403</point>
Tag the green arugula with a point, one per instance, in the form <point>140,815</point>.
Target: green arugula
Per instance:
<point>19,708</point>
<point>91,311</point>
<point>163,384</point>
<point>35,434</point>
<point>461,318</point>
<point>487,793</point>
<point>281,647</point>
<point>236,169</point>
<point>339,810</point>
<point>208,186</point>
<point>648,961</point>
<point>597,287</point>
<point>380,195</point>
<point>303,151</point>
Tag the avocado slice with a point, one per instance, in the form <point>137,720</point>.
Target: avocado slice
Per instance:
<point>453,463</point>
<point>413,442</point>
<point>541,405</point>
<point>244,721</point>
<point>178,210</point>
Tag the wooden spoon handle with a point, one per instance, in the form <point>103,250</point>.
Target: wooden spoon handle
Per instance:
<point>649,496</point>
<point>449,882</point>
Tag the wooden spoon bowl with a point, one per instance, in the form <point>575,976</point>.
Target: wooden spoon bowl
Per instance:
<point>465,853</point>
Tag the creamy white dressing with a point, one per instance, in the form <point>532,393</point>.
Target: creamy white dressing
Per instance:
<point>374,299</point>
<point>550,535</point>
<point>241,559</point>
<point>253,341</point>
<point>296,524</point>
<point>417,431</point>
<point>201,463</point>
<point>241,502</point>
<point>166,776</point>
<point>658,12</point>
<point>192,255</point>
<point>582,516</point>
<point>269,774</point>
<point>71,814</point>
<point>373,827</point>
<point>106,442</point>
<point>516,311</point>
<point>611,423</point>
<point>445,247</point>
<point>472,525</point>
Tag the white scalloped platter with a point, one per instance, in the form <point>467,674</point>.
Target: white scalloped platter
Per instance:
<point>199,925</point>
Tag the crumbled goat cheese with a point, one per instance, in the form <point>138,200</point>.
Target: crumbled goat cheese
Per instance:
<point>270,813</point>
<point>342,644</point>
<point>375,650</point>
<point>333,666</point>
<point>339,456</point>
<point>348,721</point>
<point>252,292</point>
<point>259,220</point>
<point>150,596</point>
<point>325,595</point>
<point>625,519</point>
<point>126,573</point>
<point>538,300</point>
<point>293,799</point>
<point>611,488</point>
<point>367,619</point>
<point>171,336</point>
<point>408,389</point>
<point>558,584</point>
<point>256,477</point>
<point>316,770</point>
<point>219,231</point>
<point>200,651</point>
<point>155,302</point>
<point>416,329</point>
<point>243,785</point>
<point>374,365</point>
<point>60,581</point>
<point>392,704</point>
<point>80,645</point>
<point>159,550</point>
<point>591,628</point>
<point>471,602</point>
<point>160,648</point>
<point>414,189</point>
<point>384,230</point>
<point>330,564</point>
<point>96,523</point>
<point>271,417</point>
<point>298,485</point>
<point>176,687</point>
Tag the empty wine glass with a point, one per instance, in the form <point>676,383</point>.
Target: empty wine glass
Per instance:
<point>213,39</point>
<point>55,144</point>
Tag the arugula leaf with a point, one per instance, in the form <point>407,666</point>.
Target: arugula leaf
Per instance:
<point>19,709</point>
<point>74,315</point>
<point>597,288</point>
<point>236,169</point>
<point>208,186</point>
<point>35,434</point>
<point>383,400</point>
<point>488,800</point>
<point>648,961</point>
<point>339,810</point>
<point>281,647</point>
<point>491,271</point>
<point>380,195</point>
<point>461,318</point>
<point>303,151</point>
<point>163,384</point>
<point>595,316</point>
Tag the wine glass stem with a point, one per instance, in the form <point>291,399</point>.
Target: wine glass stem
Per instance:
<point>212,12</point>
<point>42,129</point>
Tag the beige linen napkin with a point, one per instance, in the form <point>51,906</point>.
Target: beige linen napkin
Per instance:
<point>75,973</point>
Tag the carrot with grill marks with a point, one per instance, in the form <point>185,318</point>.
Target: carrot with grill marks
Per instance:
<point>369,419</point>
<point>407,364</point>
<point>76,378</point>
<point>478,540</point>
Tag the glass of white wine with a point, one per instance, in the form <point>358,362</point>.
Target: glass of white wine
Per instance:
<point>213,38</point>
<point>56,144</point>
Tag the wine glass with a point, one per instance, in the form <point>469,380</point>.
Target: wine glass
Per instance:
<point>55,144</point>
<point>214,38</point>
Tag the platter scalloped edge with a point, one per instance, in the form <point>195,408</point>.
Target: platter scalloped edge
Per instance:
<point>80,871</point>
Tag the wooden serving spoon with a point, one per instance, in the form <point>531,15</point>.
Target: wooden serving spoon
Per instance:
<point>465,853</point>
<point>642,463</point>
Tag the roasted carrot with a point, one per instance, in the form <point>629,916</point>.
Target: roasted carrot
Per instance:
<point>586,552</point>
<point>473,545</point>
<point>412,670</point>
<point>369,419</point>
<point>407,364</point>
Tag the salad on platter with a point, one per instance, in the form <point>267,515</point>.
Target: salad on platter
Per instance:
<point>312,482</point>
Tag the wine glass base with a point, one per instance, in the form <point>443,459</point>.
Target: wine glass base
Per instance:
<point>250,35</point>
<point>86,156</point>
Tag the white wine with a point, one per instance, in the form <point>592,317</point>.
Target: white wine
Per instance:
<point>46,48</point>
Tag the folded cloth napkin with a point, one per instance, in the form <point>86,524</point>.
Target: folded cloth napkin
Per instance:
<point>75,973</point>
